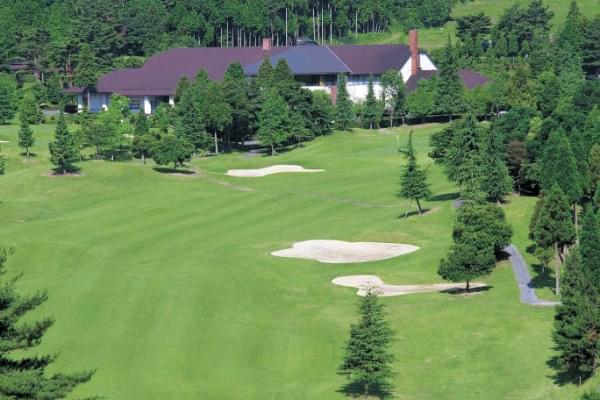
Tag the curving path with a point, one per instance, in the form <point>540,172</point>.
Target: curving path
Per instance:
<point>521,271</point>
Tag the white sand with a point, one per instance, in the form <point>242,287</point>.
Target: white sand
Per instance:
<point>364,283</point>
<point>337,251</point>
<point>273,169</point>
<point>4,141</point>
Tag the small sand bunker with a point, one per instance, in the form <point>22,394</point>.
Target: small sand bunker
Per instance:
<point>338,252</point>
<point>273,169</point>
<point>364,283</point>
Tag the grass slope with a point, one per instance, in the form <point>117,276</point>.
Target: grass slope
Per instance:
<point>434,38</point>
<point>166,286</point>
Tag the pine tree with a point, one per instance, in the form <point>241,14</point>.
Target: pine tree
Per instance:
<point>367,360</point>
<point>371,109</point>
<point>26,139</point>
<point>236,90</point>
<point>7,104</point>
<point>449,91</point>
<point>182,85</point>
<point>413,182</point>
<point>217,112</point>
<point>190,123</point>
<point>577,319</point>
<point>496,181</point>
<point>273,121</point>
<point>501,47</point>
<point>24,374</point>
<point>63,152</point>
<point>343,105</point>
<point>512,45</point>
<point>86,72</point>
<point>30,110</point>
<point>554,227</point>
<point>264,76</point>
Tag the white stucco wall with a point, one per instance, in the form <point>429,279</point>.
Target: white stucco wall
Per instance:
<point>426,65</point>
<point>358,87</point>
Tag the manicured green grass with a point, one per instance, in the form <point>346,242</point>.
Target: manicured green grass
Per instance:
<point>165,284</point>
<point>435,38</point>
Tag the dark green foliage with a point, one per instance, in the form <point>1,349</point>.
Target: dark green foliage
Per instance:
<point>344,115</point>
<point>558,166</point>
<point>161,118</point>
<point>484,225</point>
<point>496,181</point>
<point>322,113</point>
<point>480,232</point>
<point>30,109</point>
<point>7,98</point>
<point>265,75</point>
<point>182,85</point>
<point>466,262</point>
<point>273,121</point>
<point>63,151</point>
<point>216,112</point>
<point>449,90</point>
<point>24,374</point>
<point>577,319</point>
<point>236,90</point>
<point>472,26</point>
<point>554,227</point>
<point>594,395</point>
<point>141,125</point>
<point>372,109</point>
<point>26,139</point>
<point>171,149</point>
<point>190,124</point>
<point>367,360</point>
<point>421,102</point>
<point>591,47</point>
<point>86,72</point>
<point>413,181</point>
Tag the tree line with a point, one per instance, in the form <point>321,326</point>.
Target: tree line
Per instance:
<point>50,34</point>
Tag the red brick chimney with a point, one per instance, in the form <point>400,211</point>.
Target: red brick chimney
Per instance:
<point>266,45</point>
<point>415,58</point>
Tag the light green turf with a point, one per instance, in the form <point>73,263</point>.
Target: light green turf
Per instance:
<point>166,286</point>
<point>435,38</point>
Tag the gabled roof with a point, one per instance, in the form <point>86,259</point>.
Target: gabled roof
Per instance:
<point>160,74</point>
<point>375,59</point>
<point>305,60</point>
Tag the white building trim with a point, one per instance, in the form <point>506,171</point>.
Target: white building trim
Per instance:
<point>147,105</point>
<point>426,65</point>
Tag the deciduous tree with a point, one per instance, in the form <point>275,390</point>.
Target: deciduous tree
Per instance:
<point>26,139</point>
<point>273,121</point>
<point>172,149</point>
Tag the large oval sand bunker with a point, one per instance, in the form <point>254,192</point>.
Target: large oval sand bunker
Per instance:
<point>366,283</point>
<point>338,252</point>
<point>273,169</point>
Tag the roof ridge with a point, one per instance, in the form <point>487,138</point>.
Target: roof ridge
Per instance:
<point>339,59</point>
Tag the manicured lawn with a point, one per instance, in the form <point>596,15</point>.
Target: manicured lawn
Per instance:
<point>165,284</point>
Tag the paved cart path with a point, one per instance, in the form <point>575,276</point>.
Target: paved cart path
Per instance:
<point>521,271</point>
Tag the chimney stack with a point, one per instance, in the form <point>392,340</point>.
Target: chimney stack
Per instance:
<point>266,44</point>
<point>415,58</point>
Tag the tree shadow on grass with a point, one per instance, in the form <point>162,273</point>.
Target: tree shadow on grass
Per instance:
<point>354,390</point>
<point>414,212</point>
<point>72,171</point>
<point>31,154</point>
<point>542,278</point>
<point>564,377</point>
<point>170,171</point>
<point>445,196</point>
<point>463,291</point>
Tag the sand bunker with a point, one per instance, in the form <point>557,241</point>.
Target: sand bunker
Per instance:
<point>337,251</point>
<point>273,169</point>
<point>365,282</point>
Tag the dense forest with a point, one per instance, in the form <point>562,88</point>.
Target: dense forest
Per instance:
<point>50,33</point>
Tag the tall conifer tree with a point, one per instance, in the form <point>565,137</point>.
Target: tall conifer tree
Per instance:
<point>343,105</point>
<point>63,151</point>
<point>413,182</point>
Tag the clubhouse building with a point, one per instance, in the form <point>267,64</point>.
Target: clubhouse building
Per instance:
<point>315,66</point>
